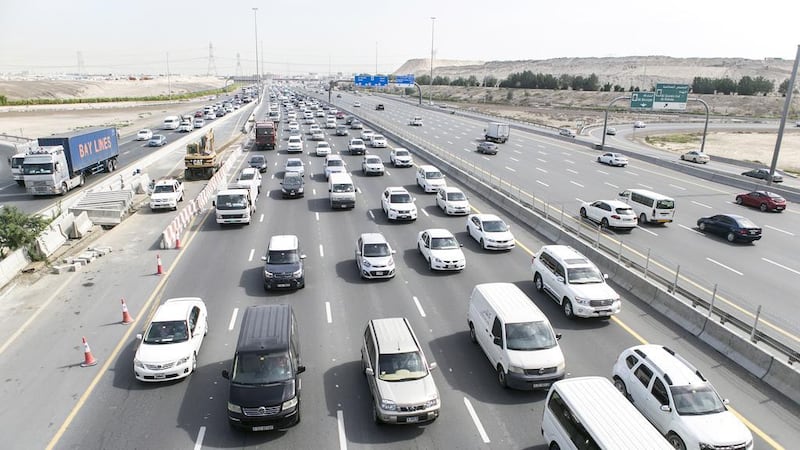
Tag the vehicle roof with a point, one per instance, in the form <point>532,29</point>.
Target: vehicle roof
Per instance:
<point>265,328</point>
<point>485,217</point>
<point>249,170</point>
<point>233,191</point>
<point>428,168</point>
<point>567,254</point>
<point>332,156</point>
<point>167,181</point>
<point>340,177</point>
<point>397,190</point>
<point>664,361</point>
<point>394,335</point>
<point>293,160</point>
<point>450,189</point>
<point>654,195</point>
<point>373,238</point>
<point>614,203</point>
<point>438,232</point>
<point>176,308</point>
<point>283,242</point>
<point>510,303</point>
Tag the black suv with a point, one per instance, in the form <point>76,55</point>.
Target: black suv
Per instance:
<point>379,107</point>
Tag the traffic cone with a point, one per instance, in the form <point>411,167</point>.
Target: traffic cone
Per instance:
<point>159,268</point>
<point>88,358</point>
<point>178,243</point>
<point>126,316</point>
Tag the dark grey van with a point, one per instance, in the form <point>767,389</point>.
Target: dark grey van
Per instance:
<point>264,375</point>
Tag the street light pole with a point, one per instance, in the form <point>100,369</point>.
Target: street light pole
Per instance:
<point>430,88</point>
<point>255,23</point>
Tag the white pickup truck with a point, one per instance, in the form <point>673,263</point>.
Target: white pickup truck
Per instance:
<point>166,194</point>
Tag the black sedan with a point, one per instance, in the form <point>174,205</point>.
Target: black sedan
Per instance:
<point>488,148</point>
<point>732,226</point>
<point>258,162</point>
<point>763,174</point>
<point>157,140</point>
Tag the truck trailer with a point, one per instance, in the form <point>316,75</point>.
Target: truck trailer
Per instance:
<point>265,135</point>
<point>497,132</point>
<point>62,162</point>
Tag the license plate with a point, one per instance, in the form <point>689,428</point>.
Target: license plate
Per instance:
<point>412,419</point>
<point>541,385</point>
<point>604,312</point>
<point>378,274</point>
<point>263,428</point>
<point>159,376</point>
<point>283,285</point>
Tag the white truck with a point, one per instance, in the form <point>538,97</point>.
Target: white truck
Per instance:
<point>234,206</point>
<point>497,132</point>
<point>166,194</point>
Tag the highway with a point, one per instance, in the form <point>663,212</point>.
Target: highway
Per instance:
<point>60,405</point>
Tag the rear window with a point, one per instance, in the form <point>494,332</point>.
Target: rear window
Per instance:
<point>665,204</point>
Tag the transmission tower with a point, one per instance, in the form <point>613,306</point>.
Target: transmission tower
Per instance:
<point>238,65</point>
<point>212,65</point>
<point>80,64</point>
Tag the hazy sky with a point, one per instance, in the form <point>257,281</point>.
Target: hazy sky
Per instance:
<point>303,36</point>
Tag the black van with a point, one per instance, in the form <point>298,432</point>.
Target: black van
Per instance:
<point>264,376</point>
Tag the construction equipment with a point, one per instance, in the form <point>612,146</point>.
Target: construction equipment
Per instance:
<point>201,160</point>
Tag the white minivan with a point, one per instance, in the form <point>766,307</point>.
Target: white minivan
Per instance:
<point>649,206</point>
<point>342,190</point>
<point>515,336</point>
<point>171,123</point>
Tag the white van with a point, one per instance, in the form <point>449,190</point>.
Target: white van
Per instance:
<point>649,206</point>
<point>515,335</point>
<point>589,413</point>
<point>342,190</point>
<point>172,123</point>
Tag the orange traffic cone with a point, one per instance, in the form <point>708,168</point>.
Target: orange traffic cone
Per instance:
<point>159,268</point>
<point>88,358</point>
<point>178,243</point>
<point>126,316</point>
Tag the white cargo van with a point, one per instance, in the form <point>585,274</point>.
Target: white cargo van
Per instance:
<point>649,206</point>
<point>172,123</point>
<point>235,206</point>
<point>515,335</point>
<point>342,190</point>
<point>589,413</point>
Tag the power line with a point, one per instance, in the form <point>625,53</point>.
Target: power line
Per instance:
<point>212,65</point>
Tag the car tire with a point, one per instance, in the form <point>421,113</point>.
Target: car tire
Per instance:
<point>604,223</point>
<point>702,226</point>
<point>537,282</point>
<point>620,385</point>
<point>675,441</point>
<point>739,200</point>
<point>683,158</point>
<point>375,417</point>
<point>642,219</point>
<point>583,213</point>
<point>730,237</point>
<point>472,336</point>
<point>763,207</point>
<point>553,446</point>
<point>501,377</point>
<point>483,245</point>
<point>194,362</point>
<point>566,305</point>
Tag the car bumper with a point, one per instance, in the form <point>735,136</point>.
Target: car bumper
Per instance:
<point>530,382</point>
<point>369,171</point>
<point>150,375</point>
<point>622,223</point>
<point>284,283</point>
<point>449,265</point>
<point>265,423</point>
<point>400,418</point>
<point>343,204</point>
<point>596,311</point>
<point>456,211</point>
<point>401,215</point>
<point>163,205</point>
<point>402,163</point>
<point>431,188</point>
<point>505,245</point>
<point>378,272</point>
<point>292,194</point>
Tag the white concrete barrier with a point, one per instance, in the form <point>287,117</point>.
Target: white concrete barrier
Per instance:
<point>81,225</point>
<point>12,264</point>
<point>50,240</point>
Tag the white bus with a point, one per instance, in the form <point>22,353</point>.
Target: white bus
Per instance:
<point>649,206</point>
<point>589,413</point>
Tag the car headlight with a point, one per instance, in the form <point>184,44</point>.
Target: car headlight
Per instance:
<point>365,263</point>
<point>297,273</point>
<point>183,360</point>
<point>581,301</point>
<point>390,262</point>
<point>393,210</point>
<point>138,363</point>
<point>234,408</point>
<point>515,369</point>
<point>388,405</point>
<point>289,404</point>
<point>268,274</point>
<point>431,403</point>
<point>437,260</point>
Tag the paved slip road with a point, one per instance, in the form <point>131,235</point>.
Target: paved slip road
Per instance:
<point>105,407</point>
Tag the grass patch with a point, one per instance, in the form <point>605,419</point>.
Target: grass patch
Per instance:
<point>666,139</point>
<point>63,101</point>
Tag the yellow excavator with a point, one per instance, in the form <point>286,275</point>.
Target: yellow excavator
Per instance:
<point>201,160</point>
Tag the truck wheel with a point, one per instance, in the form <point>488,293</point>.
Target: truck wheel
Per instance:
<point>64,189</point>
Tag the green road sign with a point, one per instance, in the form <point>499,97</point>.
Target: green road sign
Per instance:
<point>671,96</point>
<point>642,100</point>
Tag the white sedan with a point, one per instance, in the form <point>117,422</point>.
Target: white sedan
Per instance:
<point>323,149</point>
<point>441,249</point>
<point>613,159</point>
<point>609,213</point>
<point>452,201</point>
<point>490,231</point>
<point>144,135</point>
<point>378,141</point>
<point>168,349</point>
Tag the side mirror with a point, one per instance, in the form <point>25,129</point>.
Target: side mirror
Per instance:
<point>394,251</point>
<point>666,408</point>
<point>432,366</point>
<point>369,372</point>
<point>213,203</point>
<point>605,276</point>
<point>300,369</point>
<point>226,375</point>
<point>460,244</point>
<point>302,256</point>
<point>558,336</point>
<point>498,341</point>
<point>263,258</point>
<point>139,337</point>
<point>725,401</point>
<point>358,252</point>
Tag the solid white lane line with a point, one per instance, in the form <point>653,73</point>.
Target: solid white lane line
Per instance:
<point>646,230</point>
<point>724,266</point>
<point>513,159</point>
<point>543,183</point>
<point>541,170</point>
<point>340,427</point>
<point>476,420</point>
<point>328,312</point>
<point>425,212</point>
<point>252,252</point>
<point>645,186</point>
<point>796,272</point>
<point>612,185</point>
<point>316,216</point>
<point>509,168</point>
<point>778,229</point>
<point>232,323</point>
<point>200,435</point>
<point>701,204</point>
<point>419,306</point>
<point>690,229</point>
<point>604,173</point>
<point>321,252</point>
<point>572,171</point>
<point>576,183</point>
<point>678,187</point>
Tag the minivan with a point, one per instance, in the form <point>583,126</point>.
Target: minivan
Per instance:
<point>515,336</point>
<point>264,392</point>
<point>172,123</point>
<point>650,207</point>
<point>283,263</point>
<point>588,413</point>
<point>342,190</point>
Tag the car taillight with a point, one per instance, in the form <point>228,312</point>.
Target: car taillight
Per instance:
<point>614,216</point>
<point>533,258</point>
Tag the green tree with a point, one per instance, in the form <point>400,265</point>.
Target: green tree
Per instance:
<point>510,95</point>
<point>423,80</point>
<point>489,81</point>
<point>18,229</point>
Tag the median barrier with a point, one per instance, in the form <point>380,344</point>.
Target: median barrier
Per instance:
<point>783,377</point>
<point>739,349</point>
<point>12,264</point>
<point>80,226</point>
<point>50,240</point>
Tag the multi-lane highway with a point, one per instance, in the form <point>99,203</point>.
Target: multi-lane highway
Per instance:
<point>59,404</point>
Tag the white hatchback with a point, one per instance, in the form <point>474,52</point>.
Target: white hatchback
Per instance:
<point>609,213</point>
<point>430,179</point>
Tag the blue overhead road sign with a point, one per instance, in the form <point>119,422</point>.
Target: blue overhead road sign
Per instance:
<point>404,80</point>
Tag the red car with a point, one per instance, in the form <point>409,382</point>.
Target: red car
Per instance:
<point>340,115</point>
<point>765,201</point>
<point>198,114</point>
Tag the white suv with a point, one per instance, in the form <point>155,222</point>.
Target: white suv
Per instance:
<point>397,203</point>
<point>574,282</point>
<point>374,256</point>
<point>430,179</point>
<point>678,400</point>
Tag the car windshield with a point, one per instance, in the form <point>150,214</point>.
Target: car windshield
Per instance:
<point>161,188</point>
<point>167,332</point>
<point>291,163</point>
<point>335,162</point>
<point>775,197</point>
<point>433,175</point>
<point>401,153</point>
<point>494,226</point>
<point>696,400</point>
<point>400,198</point>
<point>282,257</point>
<point>372,250</point>
<point>456,196</point>
<point>257,160</point>
<point>401,366</point>
<point>294,140</point>
<point>342,187</point>
<point>374,161</point>
<point>292,182</point>
<point>231,201</point>
<point>584,275</point>
<point>261,368</point>
<point>528,336</point>
<point>246,176</point>
<point>444,243</point>
<point>378,136</point>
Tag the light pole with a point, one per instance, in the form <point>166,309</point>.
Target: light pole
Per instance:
<point>430,88</point>
<point>255,22</point>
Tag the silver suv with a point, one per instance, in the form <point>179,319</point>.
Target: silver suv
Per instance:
<point>374,256</point>
<point>398,375</point>
<point>574,282</point>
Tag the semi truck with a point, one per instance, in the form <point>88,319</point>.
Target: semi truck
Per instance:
<point>62,162</point>
<point>497,132</point>
<point>17,160</point>
<point>201,160</point>
<point>265,135</point>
